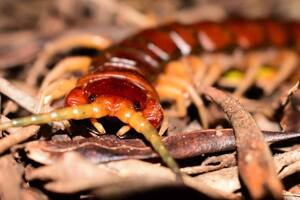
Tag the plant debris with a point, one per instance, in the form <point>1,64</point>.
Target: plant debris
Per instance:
<point>110,148</point>
<point>255,162</point>
<point>251,149</point>
<point>291,117</point>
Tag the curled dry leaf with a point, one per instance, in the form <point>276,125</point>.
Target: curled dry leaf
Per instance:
<point>17,136</point>
<point>227,180</point>
<point>109,147</point>
<point>65,177</point>
<point>291,169</point>
<point>68,177</point>
<point>224,179</point>
<point>290,196</point>
<point>255,162</point>
<point>291,113</point>
<point>212,164</point>
<point>10,178</point>
<point>295,191</point>
<point>285,159</point>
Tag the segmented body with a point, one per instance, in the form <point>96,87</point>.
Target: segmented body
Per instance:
<point>129,67</point>
<point>119,82</point>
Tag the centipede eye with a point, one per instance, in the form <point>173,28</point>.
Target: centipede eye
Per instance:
<point>137,106</point>
<point>92,97</point>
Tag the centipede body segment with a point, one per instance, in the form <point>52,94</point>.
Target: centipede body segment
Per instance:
<point>125,82</point>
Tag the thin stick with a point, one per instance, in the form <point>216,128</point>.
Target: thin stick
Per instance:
<point>19,96</point>
<point>256,166</point>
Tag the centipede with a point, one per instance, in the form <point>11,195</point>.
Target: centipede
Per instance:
<point>129,79</point>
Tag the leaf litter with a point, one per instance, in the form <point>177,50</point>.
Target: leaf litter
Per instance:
<point>109,167</point>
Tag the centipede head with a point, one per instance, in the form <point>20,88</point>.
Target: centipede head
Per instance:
<point>144,121</point>
<point>127,96</point>
<point>118,86</point>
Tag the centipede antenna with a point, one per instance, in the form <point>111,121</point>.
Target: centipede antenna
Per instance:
<point>93,110</point>
<point>138,122</point>
<point>152,136</point>
<point>97,110</point>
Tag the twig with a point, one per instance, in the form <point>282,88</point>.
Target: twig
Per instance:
<point>212,164</point>
<point>111,148</point>
<point>13,139</point>
<point>255,161</point>
<point>19,96</point>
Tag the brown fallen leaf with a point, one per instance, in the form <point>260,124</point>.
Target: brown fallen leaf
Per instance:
<point>65,177</point>
<point>227,180</point>
<point>109,147</point>
<point>64,172</point>
<point>291,114</point>
<point>255,163</point>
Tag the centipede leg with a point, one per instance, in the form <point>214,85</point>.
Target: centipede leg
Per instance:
<point>122,131</point>
<point>173,93</point>
<point>215,70</point>
<point>59,88</point>
<point>287,62</point>
<point>62,45</point>
<point>67,65</point>
<point>55,91</point>
<point>199,68</point>
<point>253,63</point>
<point>186,87</point>
<point>98,126</point>
<point>164,125</point>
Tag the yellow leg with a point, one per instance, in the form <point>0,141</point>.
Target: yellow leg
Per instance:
<point>177,68</point>
<point>172,93</point>
<point>54,91</point>
<point>215,70</point>
<point>62,45</point>
<point>287,62</point>
<point>185,86</point>
<point>123,130</point>
<point>164,125</point>
<point>67,65</point>
<point>198,69</point>
<point>253,64</point>
<point>98,109</point>
<point>98,126</point>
